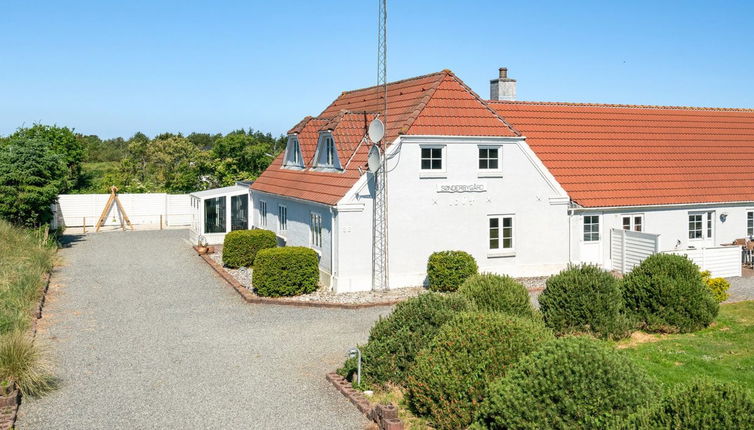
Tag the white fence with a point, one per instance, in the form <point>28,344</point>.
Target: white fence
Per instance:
<point>721,261</point>
<point>629,248</point>
<point>76,210</point>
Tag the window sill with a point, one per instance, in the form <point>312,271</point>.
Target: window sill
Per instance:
<point>430,174</point>
<point>501,254</point>
<point>483,174</point>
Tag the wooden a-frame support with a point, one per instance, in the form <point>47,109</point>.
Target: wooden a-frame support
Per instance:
<point>108,206</point>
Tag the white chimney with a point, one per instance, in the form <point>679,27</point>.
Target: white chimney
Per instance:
<point>503,88</point>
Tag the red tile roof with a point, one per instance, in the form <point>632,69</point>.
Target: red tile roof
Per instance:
<point>435,104</point>
<point>620,155</point>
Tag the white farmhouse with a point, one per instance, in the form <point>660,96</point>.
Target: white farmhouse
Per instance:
<point>525,187</point>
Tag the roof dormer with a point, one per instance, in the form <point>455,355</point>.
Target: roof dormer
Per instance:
<point>293,158</point>
<point>326,157</point>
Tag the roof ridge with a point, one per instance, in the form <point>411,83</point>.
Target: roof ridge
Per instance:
<point>484,103</point>
<point>618,105</point>
<point>397,82</point>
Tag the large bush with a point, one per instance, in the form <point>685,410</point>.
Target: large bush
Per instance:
<point>699,405</point>
<point>666,293</point>
<point>446,270</point>
<point>450,376</point>
<point>395,340</point>
<point>61,141</point>
<point>241,246</point>
<point>31,177</point>
<point>584,299</point>
<point>571,382</point>
<point>288,271</point>
<point>497,293</point>
<point>717,286</point>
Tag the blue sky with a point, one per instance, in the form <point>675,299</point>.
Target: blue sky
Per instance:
<point>114,68</point>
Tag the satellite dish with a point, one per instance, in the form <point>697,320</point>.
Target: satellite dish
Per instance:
<point>376,130</point>
<point>374,161</point>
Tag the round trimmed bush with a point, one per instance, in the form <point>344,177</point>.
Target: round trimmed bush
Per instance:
<point>449,378</point>
<point>287,271</point>
<point>584,299</point>
<point>571,382</point>
<point>395,340</point>
<point>699,405</point>
<point>666,293</point>
<point>497,293</point>
<point>241,246</point>
<point>446,270</point>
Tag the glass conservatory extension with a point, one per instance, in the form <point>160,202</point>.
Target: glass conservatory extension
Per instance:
<point>219,211</point>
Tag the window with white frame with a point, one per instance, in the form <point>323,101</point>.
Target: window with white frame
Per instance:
<point>750,223</point>
<point>633,222</point>
<point>432,157</point>
<point>282,218</point>
<point>591,228</point>
<point>489,158</point>
<point>262,213</point>
<point>315,226</point>
<point>293,158</point>
<point>327,153</point>
<point>701,225</point>
<point>500,232</point>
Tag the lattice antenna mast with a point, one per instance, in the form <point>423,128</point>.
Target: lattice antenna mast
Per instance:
<point>380,273</point>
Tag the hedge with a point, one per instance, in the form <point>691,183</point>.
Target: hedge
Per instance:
<point>571,382</point>
<point>584,299</point>
<point>666,293</point>
<point>449,377</point>
<point>241,246</point>
<point>497,293</point>
<point>446,270</point>
<point>395,340</point>
<point>699,405</point>
<point>288,271</point>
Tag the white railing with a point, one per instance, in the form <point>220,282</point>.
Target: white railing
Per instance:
<point>721,261</point>
<point>629,248</point>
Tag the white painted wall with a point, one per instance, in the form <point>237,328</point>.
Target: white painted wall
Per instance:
<point>423,220</point>
<point>298,232</point>
<point>141,209</point>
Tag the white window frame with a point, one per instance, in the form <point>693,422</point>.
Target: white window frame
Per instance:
<point>750,223</point>
<point>282,218</point>
<point>584,223</point>
<point>501,250</point>
<point>263,213</point>
<point>490,172</point>
<point>707,228</point>
<point>315,229</point>
<point>326,157</point>
<point>433,173</point>
<point>293,158</point>
<point>632,222</point>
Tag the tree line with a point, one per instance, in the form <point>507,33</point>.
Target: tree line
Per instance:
<point>39,162</point>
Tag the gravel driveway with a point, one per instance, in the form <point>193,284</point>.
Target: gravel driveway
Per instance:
<point>143,334</point>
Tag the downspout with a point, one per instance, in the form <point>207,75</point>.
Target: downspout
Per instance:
<point>570,227</point>
<point>333,244</point>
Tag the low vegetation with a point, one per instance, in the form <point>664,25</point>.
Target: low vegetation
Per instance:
<point>717,286</point>
<point>240,247</point>
<point>498,293</point>
<point>30,256</point>
<point>446,270</point>
<point>287,271</point>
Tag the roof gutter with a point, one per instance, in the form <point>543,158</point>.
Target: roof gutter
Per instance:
<point>665,206</point>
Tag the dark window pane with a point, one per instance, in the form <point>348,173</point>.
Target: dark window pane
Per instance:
<point>507,243</point>
<point>426,164</point>
<point>214,215</point>
<point>436,152</point>
<point>239,212</point>
<point>426,153</point>
<point>507,222</point>
<point>492,164</point>
<point>494,222</point>
<point>482,164</point>
<point>436,164</point>
<point>494,233</point>
<point>494,244</point>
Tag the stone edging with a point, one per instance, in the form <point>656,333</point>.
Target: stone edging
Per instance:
<point>386,416</point>
<point>253,298</point>
<point>9,404</point>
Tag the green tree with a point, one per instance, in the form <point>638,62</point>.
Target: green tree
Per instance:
<point>32,175</point>
<point>61,140</point>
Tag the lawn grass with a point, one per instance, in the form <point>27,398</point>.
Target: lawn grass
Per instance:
<point>723,352</point>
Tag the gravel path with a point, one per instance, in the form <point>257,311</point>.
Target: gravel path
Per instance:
<point>741,288</point>
<point>143,334</point>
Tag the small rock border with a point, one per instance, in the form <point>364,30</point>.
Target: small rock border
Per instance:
<point>386,416</point>
<point>250,297</point>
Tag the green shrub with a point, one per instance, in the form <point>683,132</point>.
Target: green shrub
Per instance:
<point>450,377</point>
<point>288,271</point>
<point>584,299</point>
<point>666,293</point>
<point>446,270</point>
<point>497,293</point>
<point>717,286</point>
<point>699,405</point>
<point>395,340</point>
<point>571,382</point>
<point>241,246</point>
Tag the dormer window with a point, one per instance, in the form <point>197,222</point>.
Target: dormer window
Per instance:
<point>293,158</point>
<point>327,153</point>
